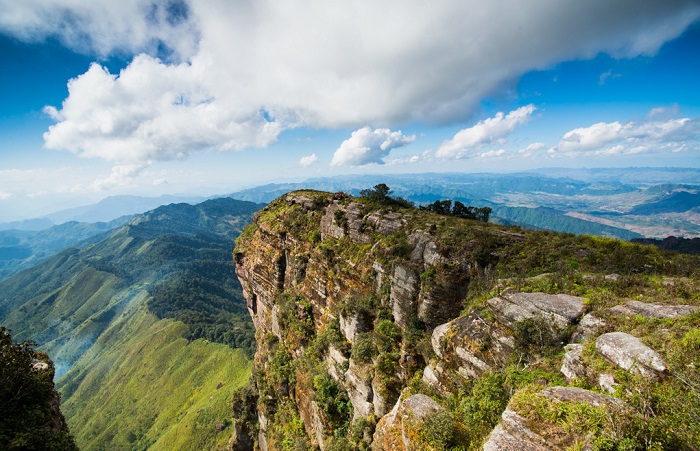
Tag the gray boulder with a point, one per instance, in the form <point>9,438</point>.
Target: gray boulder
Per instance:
<point>561,309</point>
<point>629,353</point>
<point>649,310</point>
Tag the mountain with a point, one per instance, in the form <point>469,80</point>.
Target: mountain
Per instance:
<point>517,199</point>
<point>386,327</point>
<point>22,248</point>
<point>677,202</point>
<point>27,224</point>
<point>115,206</point>
<point>147,327</point>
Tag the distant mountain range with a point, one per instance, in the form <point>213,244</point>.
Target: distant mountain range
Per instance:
<point>105,210</point>
<point>622,203</point>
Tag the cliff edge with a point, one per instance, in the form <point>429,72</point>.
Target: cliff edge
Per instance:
<point>381,326</point>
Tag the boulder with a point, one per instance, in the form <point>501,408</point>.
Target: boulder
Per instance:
<point>472,346</point>
<point>399,428</point>
<point>606,381</point>
<point>629,353</point>
<point>649,310</point>
<point>588,327</point>
<point>561,309</point>
<point>575,394</point>
<point>512,434</point>
<point>572,365</point>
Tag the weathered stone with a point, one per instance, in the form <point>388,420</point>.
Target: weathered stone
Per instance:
<point>380,403</point>
<point>386,435</point>
<point>386,223</point>
<point>649,310</point>
<point>588,327</point>
<point>441,300</point>
<point>607,382</point>
<point>359,388</point>
<point>335,360</point>
<point>575,394</point>
<point>404,422</point>
<point>629,353</point>
<point>306,203</point>
<point>437,339</point>
<point>472,345</point>
<point>572,365</point>
<point>329,226</point>
<point>561,309</point>
<point>353,324</point>
<point>512,434</point>
<point>404,292</point>
<point>413,412</point>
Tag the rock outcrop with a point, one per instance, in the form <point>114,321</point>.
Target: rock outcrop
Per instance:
<point>362,327</point>
<point>629,353</point>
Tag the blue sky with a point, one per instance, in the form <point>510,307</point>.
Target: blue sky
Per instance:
<point>152,97</point>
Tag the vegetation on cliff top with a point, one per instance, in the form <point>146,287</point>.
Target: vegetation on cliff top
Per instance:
<point>500,258</point>
<point>29,412</point>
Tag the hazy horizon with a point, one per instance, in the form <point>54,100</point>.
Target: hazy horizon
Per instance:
<point>173,96</point>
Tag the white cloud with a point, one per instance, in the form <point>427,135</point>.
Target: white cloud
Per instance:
<point>366,146</point>
<point>311,63</point>
<point>4,195</point>
<point>105,27</point>
<point>150,111</point>
<point>492,153</point>
<point>121,175</point>
<point>615,138</point>
<point>531,149</point>
<point>488,131</point>
<point>608,74</point>
<point>308,160</point>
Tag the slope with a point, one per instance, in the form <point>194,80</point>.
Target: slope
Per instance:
<point>21,249</point>
<point>107,300</point>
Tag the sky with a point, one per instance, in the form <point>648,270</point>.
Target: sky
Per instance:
<point>152,97</point>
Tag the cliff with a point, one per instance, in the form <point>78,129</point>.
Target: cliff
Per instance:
<point>31,415</point>
<point>386,327</point>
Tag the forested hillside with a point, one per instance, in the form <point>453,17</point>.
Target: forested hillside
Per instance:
<point>155,298</point>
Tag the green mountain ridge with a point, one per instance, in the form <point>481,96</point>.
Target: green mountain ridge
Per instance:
<point>21,249</point>
<point>148,301</point>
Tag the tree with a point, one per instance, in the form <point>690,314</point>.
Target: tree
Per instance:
<point>381,193</point>
<point>27,396</point>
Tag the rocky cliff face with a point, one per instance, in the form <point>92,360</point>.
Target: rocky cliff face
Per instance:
<point>391,328</point>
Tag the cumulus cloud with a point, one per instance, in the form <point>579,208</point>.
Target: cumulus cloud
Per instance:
<point>5,195</point>
<point>492,153</point>
<point>615,138</point>
<point>531,149</point>
<point>150,110</point>
<point>255,69</point>
<point>488,131</point>
<point>106,27</point>
<point>366,146</point>
<point>121,175</point>
<point>308,160</point>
